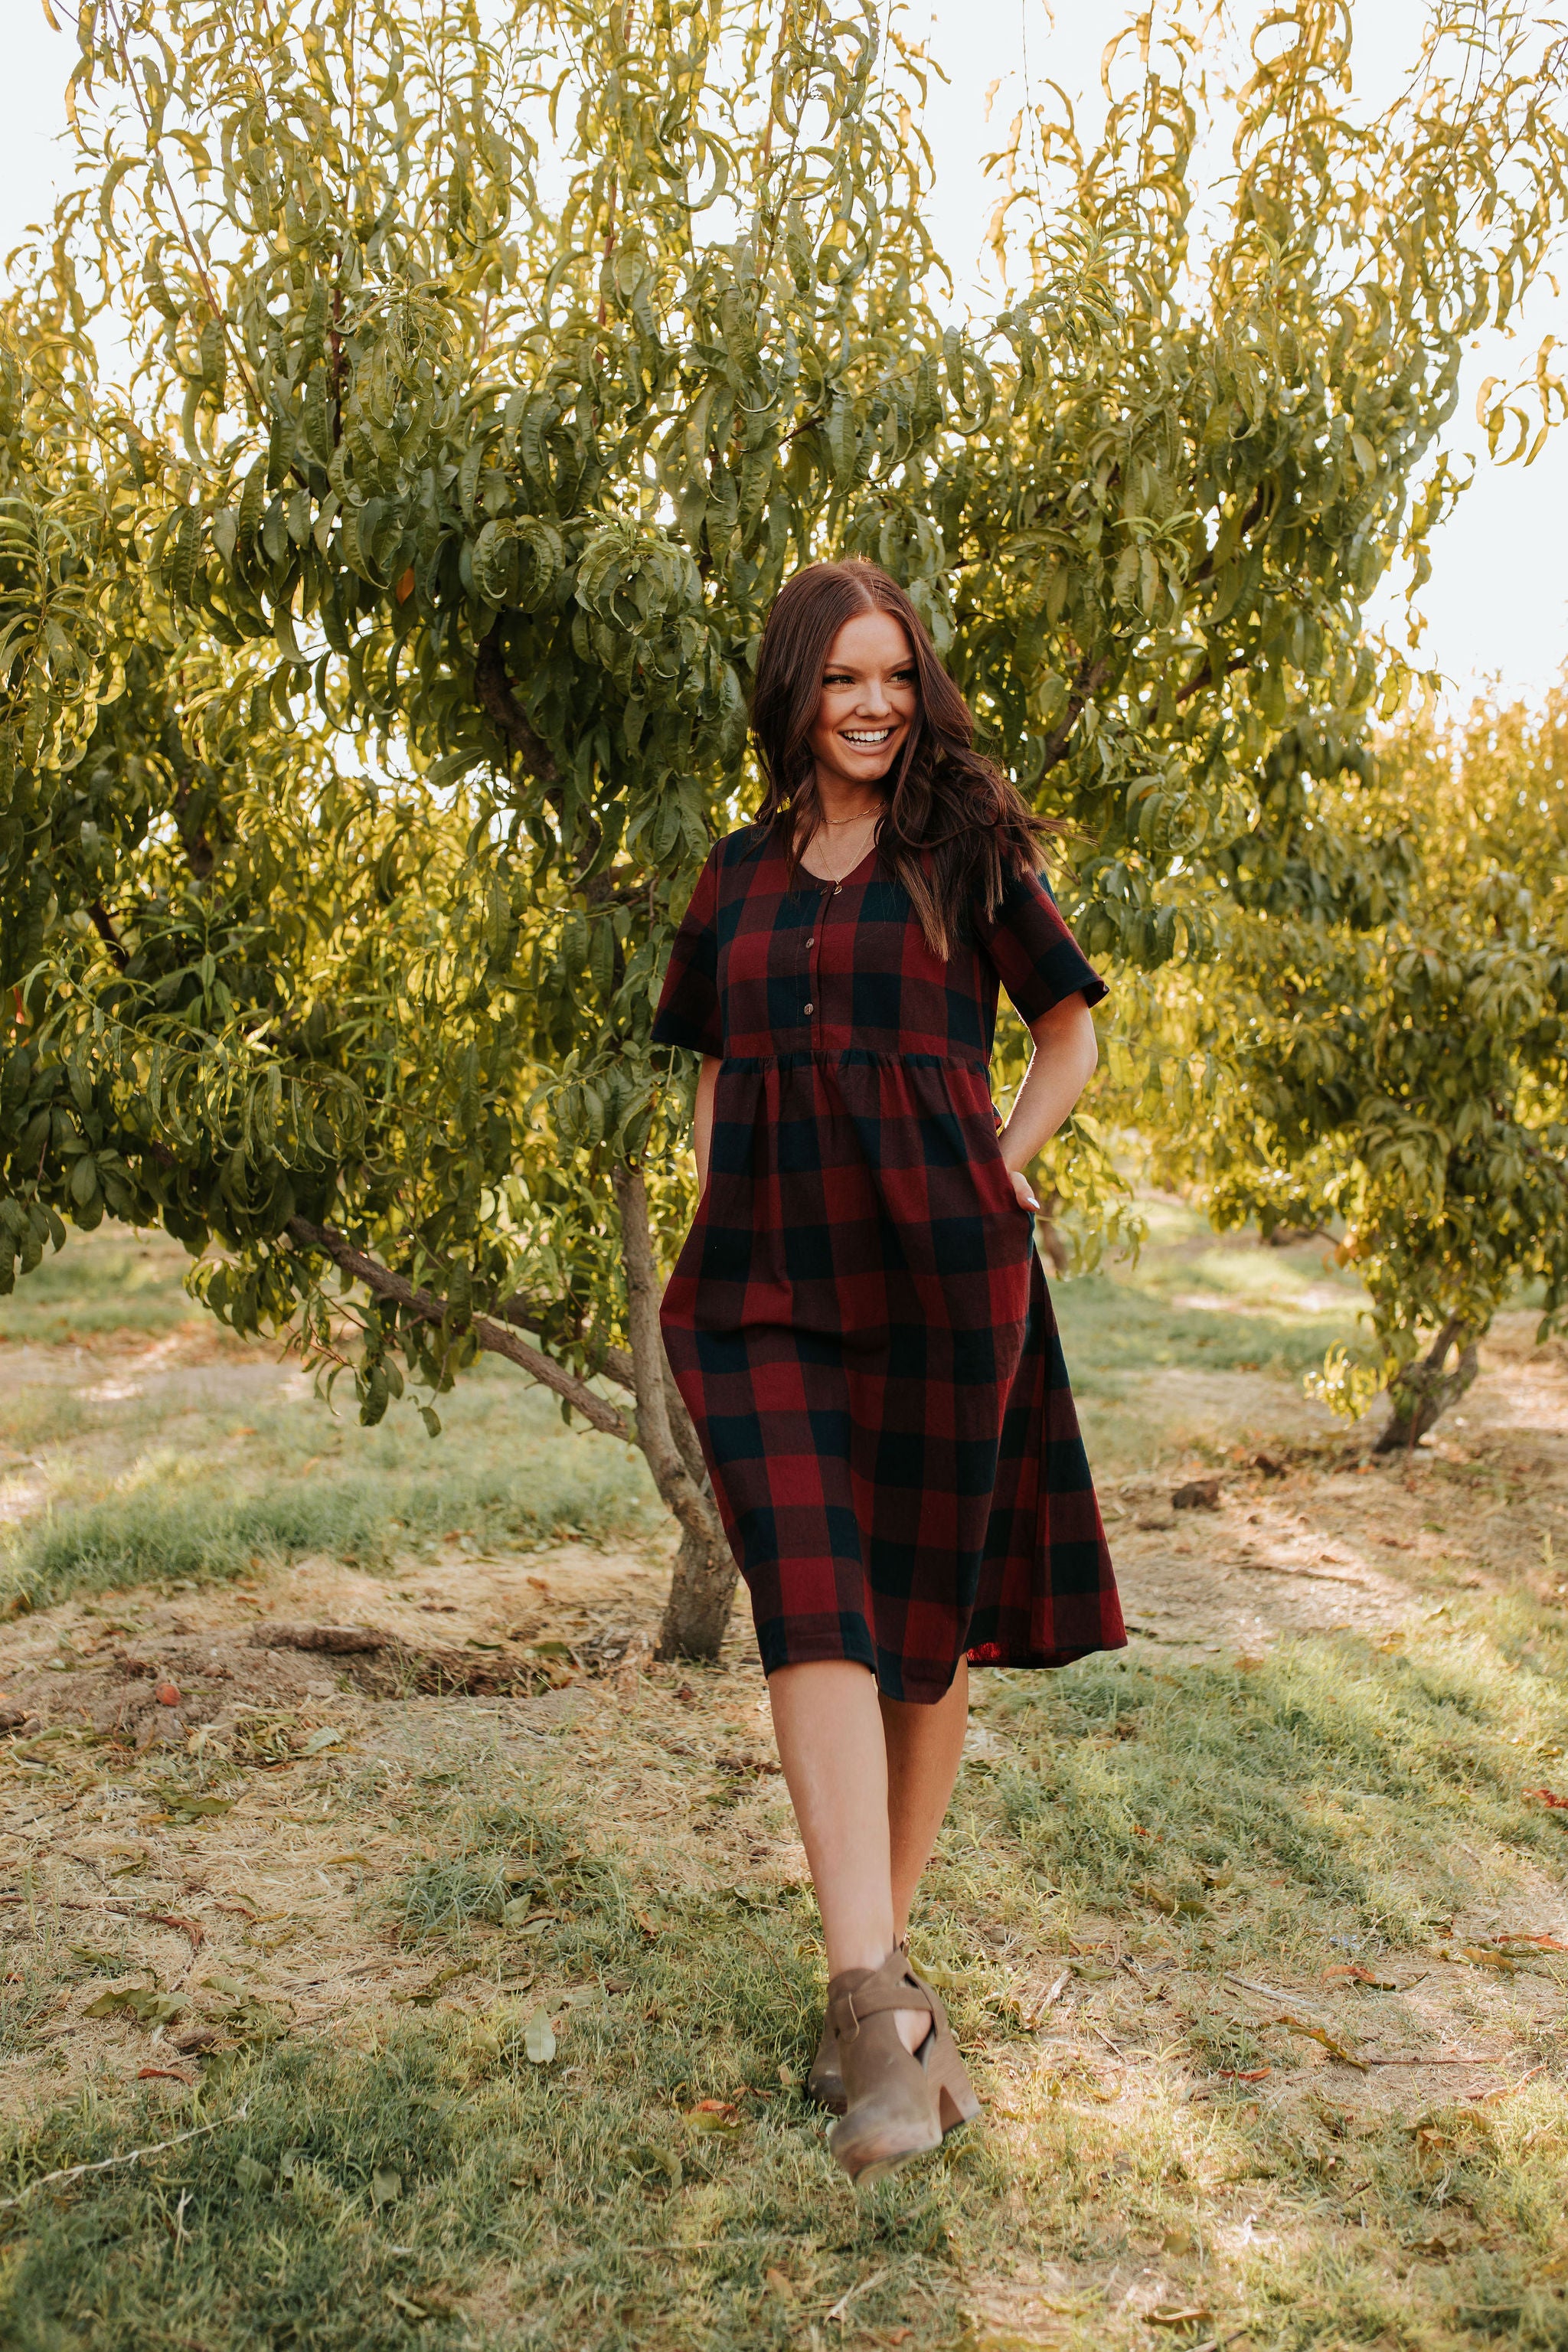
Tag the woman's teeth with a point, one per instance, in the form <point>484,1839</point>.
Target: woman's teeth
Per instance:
<point>882,735</point>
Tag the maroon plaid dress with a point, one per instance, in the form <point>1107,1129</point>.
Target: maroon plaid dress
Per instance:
<point>859,1320</point>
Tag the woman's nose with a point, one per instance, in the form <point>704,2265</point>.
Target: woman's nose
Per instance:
<point>874,697</point>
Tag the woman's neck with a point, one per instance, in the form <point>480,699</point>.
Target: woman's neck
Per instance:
<point>840,804</point>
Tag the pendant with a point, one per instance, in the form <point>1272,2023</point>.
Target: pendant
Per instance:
<point>837,888</point>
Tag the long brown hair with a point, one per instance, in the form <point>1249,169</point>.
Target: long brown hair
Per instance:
<point>956,828</point>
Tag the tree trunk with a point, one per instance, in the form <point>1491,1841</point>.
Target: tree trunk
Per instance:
<point>703,1584</point>
<point>1424,1390</point>
<point>697,1613</point>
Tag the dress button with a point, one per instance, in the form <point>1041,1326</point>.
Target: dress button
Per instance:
<point>811,1008</point>
<point>812,942</point>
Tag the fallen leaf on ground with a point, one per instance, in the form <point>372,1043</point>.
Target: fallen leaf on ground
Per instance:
<point>1354,1973</point>
<point>163,2074</point>
<point>1483,1957</point>
<point>193,2041</point>
<point>176,1919</point>
<point>91,1957</point>
<point>141,2002</point>
<point>1321,2034</point>
<point>521,1919</point>
<point>713,2116</point>
<point>423,1995</point>
<point>776,2283</point>
<point>184,1805</point>
<point>1247,2075</point>
<point>1537,1943</point>
<point>1197,1494</point>
<point>385,2187</point>
<point>538,2039</point>
<point>1549,1797</point>
<point>1198,2317</point>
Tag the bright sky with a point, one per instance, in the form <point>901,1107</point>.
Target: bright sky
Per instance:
<point>1497,601</point>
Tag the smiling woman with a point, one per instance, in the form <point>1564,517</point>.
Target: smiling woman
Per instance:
<point>859,1321</point>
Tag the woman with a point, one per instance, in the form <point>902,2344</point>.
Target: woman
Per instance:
<point>859,1321</point>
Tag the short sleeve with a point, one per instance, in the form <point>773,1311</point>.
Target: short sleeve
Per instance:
<point>1038,959</point>
<point>689,1011</point>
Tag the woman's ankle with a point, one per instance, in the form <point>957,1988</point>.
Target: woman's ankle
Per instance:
<point>857,1952</point>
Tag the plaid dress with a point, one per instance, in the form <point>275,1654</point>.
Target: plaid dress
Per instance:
<point>859,1320</point>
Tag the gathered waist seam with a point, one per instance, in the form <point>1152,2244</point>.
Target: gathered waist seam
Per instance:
<point>853,1057</point>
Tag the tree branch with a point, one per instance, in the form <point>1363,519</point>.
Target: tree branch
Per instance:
<point>496,1341</point>
<point>682,1493</point>
<point>499,705</point>
<point>1091,677</point>
<point>103,924</point>
<point>1236,661</point>
<point>528,1315</point>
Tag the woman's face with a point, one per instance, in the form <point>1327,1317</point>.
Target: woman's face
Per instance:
<point>870,698</point>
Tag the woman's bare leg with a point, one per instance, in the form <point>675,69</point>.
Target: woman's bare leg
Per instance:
<point>924,1746</point>
<point>834,1751</point>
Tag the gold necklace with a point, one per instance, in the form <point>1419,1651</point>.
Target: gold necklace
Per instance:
<point>830,824</point>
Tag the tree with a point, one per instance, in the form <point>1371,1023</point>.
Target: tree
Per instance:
<point>1385,1029</point>
<point>515,361</point>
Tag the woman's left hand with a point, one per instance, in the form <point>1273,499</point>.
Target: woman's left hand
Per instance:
<point>1024,1192</point>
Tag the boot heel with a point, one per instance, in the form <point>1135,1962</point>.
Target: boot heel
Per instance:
<point>955,2095</point>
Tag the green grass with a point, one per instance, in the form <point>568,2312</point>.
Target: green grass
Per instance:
<point>1328,1766</point>
<point>196,1470</point>
<point>1274,1311</point>
<point>545,1485</point>
<point>1113,1330</point>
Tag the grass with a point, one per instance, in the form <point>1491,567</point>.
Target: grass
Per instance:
<point>197,1470</point>
<point>115,1282</point>
<point>438,2185</point>
<point>1201,1302</point>
<point>547,1485</point>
